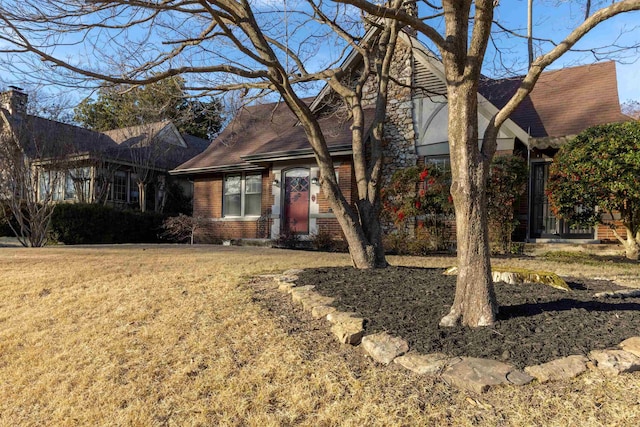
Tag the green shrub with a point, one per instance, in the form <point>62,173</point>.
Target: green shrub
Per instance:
<point>507,183</point>
<point>79,223</point>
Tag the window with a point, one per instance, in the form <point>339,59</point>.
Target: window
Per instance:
<point>51,185</point>
<point>134,193</point>
<point>120,186</point>
<point>252,195</point>
<point>443,163</point>
<point>44,185</point>
<point>69,187</point>
<point>242,196</point>
<point>232,202</point>
<point>78,183</point>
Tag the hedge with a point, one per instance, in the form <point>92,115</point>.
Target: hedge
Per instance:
<point>76,224</point>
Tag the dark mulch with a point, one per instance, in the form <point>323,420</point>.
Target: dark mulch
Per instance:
<point>536,323</point>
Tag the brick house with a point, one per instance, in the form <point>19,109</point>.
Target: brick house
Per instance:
<point>80,165</point>
<point>258,179</point>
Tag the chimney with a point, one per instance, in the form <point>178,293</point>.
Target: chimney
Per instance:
<point>14,101</point>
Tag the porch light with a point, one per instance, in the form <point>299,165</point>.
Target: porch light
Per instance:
<point>315,181</point>
<point>276,183</point>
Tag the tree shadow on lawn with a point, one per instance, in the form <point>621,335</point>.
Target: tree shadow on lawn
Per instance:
<point>536,323</point>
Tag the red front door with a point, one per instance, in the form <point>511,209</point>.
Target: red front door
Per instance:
<point>296,201</point>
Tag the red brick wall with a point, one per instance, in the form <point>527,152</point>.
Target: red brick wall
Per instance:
<point>605,234</point>
<point>208,204</point>
<point>207,196</point>
<point>346,182</point>
<point>331,226</point>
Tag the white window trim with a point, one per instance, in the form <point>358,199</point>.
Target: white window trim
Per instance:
<point>243,177</point>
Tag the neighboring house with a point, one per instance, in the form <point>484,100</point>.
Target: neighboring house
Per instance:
<point>116,168</point>
<point>258,179</point>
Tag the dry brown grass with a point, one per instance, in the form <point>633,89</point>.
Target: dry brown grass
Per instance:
<point>173,335</point>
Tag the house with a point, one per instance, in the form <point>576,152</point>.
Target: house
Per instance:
<point>124,168</point>
<point>259,179</point>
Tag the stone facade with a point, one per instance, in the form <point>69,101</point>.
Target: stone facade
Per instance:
<point>399,144</point>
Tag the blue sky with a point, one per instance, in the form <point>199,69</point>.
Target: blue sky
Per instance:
<point>556,18</point>
<point>552,19</point>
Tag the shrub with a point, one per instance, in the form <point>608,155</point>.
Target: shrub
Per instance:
<point>176,201</point>
<point>597,173</point>
<point>181,228</point>
<point>80,223</point>
<point>418,195</point>
<point>507,183</point>
<point>323,240</point>
<point>287,239</point>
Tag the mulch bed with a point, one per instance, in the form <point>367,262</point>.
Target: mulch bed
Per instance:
<point>536,323</point>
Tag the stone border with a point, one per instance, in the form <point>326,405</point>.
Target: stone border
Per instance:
<point>468,373</point>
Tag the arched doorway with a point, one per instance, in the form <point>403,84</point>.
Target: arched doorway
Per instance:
<point>296,201</point>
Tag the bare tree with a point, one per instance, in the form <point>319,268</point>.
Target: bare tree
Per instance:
<point>182,227</point>
<point>28,190</point>
<point>265,50</point>
<point>246,45</point>
<point>631,109</point>
<point>462,44</point>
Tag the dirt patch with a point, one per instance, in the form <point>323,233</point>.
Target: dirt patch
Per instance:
<point>536,323</point>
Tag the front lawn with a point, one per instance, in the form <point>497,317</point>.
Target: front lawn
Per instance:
<point>173,335</point>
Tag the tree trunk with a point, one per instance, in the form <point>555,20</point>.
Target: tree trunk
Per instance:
<point>474,303</point>
<point>631,246</point>
<point>142,196</point>
<point>632,250</point>
<point>361,229</point>
<point>363,236</point>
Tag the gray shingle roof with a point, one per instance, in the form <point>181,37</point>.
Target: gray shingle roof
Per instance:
<point>50,139</point>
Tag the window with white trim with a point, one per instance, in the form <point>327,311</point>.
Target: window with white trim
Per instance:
<point>242,195</point>
<point>120,186</point>
<point>443,163</point>
<point>252,195</point>
<point>51,185</point>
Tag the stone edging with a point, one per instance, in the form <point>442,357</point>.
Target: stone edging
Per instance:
<point>469,373</point>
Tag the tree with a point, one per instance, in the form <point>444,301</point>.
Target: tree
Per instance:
<point>631,109</point>
<point>595,176</point>
<point>462,45</point>
<point>181,228</point>
<point>267,50</point>
<point>235,45</point>
<point>123,106</point>
<point>27,190</point>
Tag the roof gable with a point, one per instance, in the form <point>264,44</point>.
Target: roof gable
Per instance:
<point>143,135</point>
<point>52,140</point>
<point>253,126</point>
<point>564,102</point>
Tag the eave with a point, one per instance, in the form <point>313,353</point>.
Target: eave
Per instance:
<point>304,153</point>
<point>213,169</point>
